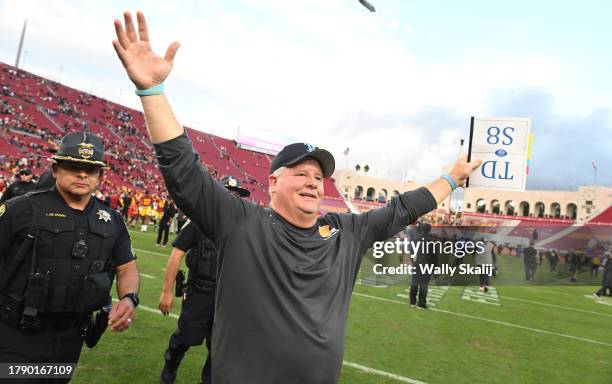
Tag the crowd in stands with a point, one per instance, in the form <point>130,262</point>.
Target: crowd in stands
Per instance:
<point>35,113</point>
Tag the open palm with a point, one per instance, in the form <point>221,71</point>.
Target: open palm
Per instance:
<point>143,66</point>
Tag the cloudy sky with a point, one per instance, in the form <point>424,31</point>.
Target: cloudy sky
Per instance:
<point>397,86</point>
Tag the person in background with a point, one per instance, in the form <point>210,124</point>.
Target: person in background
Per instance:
<point>595,264</point>
<point>164,223</point>
<point>529,259</point>
<point>20,187</point>
<point>419,285</point>
<point>606,283</point>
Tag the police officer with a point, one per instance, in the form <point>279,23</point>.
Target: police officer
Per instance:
<point>59,250</point>
<point>20,187</point>
<point>197,312</point>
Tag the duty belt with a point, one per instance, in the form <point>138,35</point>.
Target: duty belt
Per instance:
<point>200,284</point>
<point>62,324</point>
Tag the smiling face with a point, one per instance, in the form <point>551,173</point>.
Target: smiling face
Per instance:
<point>296,192</point>
<point>76,180</point>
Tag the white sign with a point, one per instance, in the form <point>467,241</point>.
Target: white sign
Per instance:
<point>502,143</point>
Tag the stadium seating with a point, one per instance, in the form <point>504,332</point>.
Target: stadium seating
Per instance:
<point>604,217</point>
<point>36,112</point>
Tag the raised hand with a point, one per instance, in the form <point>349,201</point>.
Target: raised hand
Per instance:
<point>143,66</point>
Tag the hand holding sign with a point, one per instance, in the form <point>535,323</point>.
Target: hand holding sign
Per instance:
<point>463,169</point>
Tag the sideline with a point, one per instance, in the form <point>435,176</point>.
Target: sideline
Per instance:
<point>381,373</point>
<point>493,321</point>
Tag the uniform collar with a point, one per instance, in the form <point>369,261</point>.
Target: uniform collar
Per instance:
<point>87,208</point>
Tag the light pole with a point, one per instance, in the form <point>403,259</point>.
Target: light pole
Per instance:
<point>23,31</point>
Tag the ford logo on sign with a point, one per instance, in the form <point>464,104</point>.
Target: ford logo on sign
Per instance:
<point>501,153</point>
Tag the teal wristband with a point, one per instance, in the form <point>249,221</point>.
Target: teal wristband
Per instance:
<point>155,90</point>
<point>450,181</point>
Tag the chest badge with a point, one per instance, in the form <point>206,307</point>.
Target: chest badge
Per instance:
<point>2,209</point>
<point>103,215</point>
<point>326,232</point>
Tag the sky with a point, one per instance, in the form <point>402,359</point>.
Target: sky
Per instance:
<point>397,87</point>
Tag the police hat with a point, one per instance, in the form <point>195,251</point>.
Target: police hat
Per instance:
<point>233,184</point>
<point>25,171</point>
<point>81,147</point>
<point>295,153</point>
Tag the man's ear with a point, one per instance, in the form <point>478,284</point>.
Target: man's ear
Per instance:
<point>272,180</point>
<point>54,169</point>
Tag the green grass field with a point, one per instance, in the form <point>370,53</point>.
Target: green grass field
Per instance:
<point>518,334</point>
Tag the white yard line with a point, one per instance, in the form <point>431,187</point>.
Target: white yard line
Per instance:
<point>147,276</point>
<point>555,306</point>
<point>151,252</point>
<point>382,373</point>
<point>153,310</point>
<point>474,294</point>
<point>493,321</point>
<point>599,300</point>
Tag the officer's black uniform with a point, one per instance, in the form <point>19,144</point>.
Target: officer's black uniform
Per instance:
<point>18,188</point>
<point>198,309</point>
<point>46,180</point>
<point>56,265</point>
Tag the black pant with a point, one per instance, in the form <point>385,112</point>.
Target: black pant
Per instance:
<point>19,346</point>
<point>530,270</point>
<point>602,291</point>
<point>164,229</point>
<point>194,325</point>
<point>419,284</point>
<point>484,279</point>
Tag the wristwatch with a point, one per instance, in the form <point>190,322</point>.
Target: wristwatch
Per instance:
<point>132,296</point>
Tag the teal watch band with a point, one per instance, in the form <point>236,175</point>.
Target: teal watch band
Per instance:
<point>450,181</point>
<point>155,90</point>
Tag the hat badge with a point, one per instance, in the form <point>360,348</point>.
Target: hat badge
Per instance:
<point>310,147</point>
<point>86,150</point>
<point>232,182</point>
